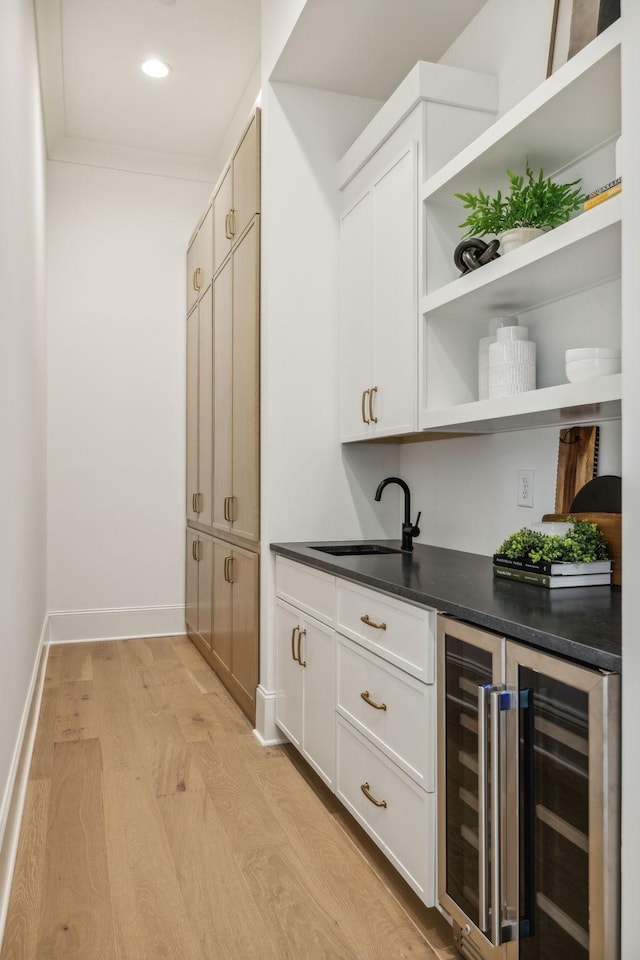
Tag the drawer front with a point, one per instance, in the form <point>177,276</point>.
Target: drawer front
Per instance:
<point>404,829</point>
<point>389,707</point>
<point>399,632</point>
<point>309,590</point>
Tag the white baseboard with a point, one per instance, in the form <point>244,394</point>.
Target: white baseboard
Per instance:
<point>115,623</point>
<point>12,806</point>
<point>266,732</point>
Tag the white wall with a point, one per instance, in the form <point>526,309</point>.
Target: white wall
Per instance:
<point>22,379</point>
<point>116,393</point>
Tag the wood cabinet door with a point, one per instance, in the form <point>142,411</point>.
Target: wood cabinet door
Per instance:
<point>205,406</point>
<point>317,652</point>
<point>246,386</point>
<point>246,178</point>
<point>192,263</point>
<point>395,294</point>
<point>192,413</point>
<point>205,573</point>
<point>244,573</point>
<point>289,674</point>
<point>205,250</point>
<point>222,396</point>
<point>222,208</point>
<point>191,583</point>
<point>222,627</point>
<point>356,264</point>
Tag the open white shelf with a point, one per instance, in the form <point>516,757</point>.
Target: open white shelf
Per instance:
<point>577,255</point>
<point>567,403</point>
<point>571,112</point>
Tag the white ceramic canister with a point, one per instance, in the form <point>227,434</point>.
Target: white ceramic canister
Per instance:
<point>495,324</point>
<point>512,363</point>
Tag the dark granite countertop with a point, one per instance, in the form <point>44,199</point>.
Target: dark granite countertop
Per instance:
<point>581,623</point>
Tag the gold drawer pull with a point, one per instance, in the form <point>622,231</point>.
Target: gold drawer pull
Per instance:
<point>293,642</point>
<point>367,699</point>
<point>301,634</point>
<point>371,393</point>
<point>377,803</point>
<point>196,278</point>
<point>372,623</point>
<point>227,569</point>
<point>365,393</point>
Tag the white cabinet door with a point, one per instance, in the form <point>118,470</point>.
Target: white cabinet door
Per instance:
<point>357,305</point>
<point>289,675</point>
<point>379,251</point>
<point>395,298</point>
<point>317,653</point>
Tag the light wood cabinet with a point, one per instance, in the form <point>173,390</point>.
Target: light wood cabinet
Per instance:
<point>200,259</point>
<point>199,427</point>
<point>236,430</point>
<point>237,198</point>
<point>199,554</point>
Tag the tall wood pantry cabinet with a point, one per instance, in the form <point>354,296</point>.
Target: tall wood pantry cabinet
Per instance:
<point>223,419</point>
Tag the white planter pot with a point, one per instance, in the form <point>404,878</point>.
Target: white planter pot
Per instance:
<point>511,239</point>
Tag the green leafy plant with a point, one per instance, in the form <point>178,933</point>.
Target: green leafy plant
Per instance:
<point>536,202</point>
<point>583,544</point>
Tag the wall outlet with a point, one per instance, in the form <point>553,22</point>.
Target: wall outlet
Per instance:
<point>525,488</point>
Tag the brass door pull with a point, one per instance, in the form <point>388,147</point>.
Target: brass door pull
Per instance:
<point>372,623</point>
<point>228,503</point>
<point>377,803</point>
<point>371,393</point>
<point>193,503</point>
<point>293,642</point>
<point>193,549</point>
<point>367,699</point>
<point>364,414</point>
<point>229,225</point>
<point>196,278</point>
<point>301,634</point>
<point>228,561</point>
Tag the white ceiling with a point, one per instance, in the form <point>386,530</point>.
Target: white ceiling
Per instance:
<point>100,108</point>
<point>98,102</point>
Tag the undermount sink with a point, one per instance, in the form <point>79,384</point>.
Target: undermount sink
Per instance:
<point>355,549</point>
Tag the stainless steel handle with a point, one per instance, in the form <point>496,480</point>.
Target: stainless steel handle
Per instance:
<point>371,393</point>
<point>367,699</point>
<point>301,634</point>
<point>372,623</point>
<point>293,643</point>
<point>496,825</point>
<point>365,393</point>
<point>366,790</point>
<point>483,811</point>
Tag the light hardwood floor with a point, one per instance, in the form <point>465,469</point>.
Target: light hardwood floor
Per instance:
<point>157,827</point>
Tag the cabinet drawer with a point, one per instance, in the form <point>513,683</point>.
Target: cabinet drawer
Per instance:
<point>397,631</point>
<point>307,589</point>
<point>404,829</point>
<point>404,728</point>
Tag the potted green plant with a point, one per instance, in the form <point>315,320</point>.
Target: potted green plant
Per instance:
<point>532,205</point>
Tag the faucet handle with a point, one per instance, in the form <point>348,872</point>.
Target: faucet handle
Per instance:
<point>415,532</point>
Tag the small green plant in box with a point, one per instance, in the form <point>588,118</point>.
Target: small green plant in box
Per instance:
<point>532,201</point>
<point>583,544</point>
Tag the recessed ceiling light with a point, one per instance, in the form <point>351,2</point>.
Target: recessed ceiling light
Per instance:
<point>157,69</point>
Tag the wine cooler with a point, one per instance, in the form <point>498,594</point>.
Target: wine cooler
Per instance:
<point>528,800</point>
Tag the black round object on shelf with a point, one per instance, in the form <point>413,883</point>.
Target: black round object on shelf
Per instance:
<point>474,252</point>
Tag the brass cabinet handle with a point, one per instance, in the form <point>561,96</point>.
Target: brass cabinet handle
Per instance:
<point>196,278</point>
<point>229,225</point>
<point>371,623</point>
<point>193,549</point>
<point>377,803</point>
<point>228,511</point>
<point>193,502</point>
<point>371,393</point>
<point>226,508</point>
<point>365,394</point>
<point>228,562</point>
<point>293,642</point>
<point>232,501</point>
<point>367,699</point>
<point>301,634</point>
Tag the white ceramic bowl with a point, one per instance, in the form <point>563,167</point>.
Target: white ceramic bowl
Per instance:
<point>551,528</point>
<point>592,353</point>
<point>587,369</point>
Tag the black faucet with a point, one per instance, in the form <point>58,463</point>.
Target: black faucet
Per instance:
<point>409,529</point>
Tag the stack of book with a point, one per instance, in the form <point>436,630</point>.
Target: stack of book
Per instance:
<point>603,193</point>
<point>552,575</point>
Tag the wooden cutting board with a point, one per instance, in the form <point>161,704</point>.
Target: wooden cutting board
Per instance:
<point>577,463</point>
<point>611,526</point>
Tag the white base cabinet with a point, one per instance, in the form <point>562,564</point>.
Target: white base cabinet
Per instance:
<point>356,696</point>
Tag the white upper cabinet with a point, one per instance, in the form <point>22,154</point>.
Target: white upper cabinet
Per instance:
<point>563,286</point>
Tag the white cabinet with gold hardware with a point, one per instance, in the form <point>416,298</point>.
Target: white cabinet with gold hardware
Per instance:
<point>305,708</point>
<point>200,259</point>
<point>199,426</point>
<point>237,198</point>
